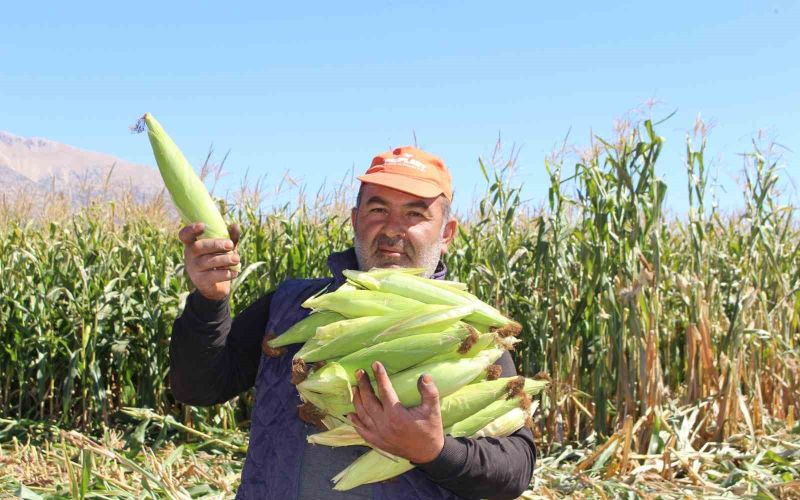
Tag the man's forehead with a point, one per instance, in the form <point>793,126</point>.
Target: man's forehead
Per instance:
<point>382,194</point>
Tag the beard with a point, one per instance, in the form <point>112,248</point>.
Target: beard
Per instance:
<point>425,257</point>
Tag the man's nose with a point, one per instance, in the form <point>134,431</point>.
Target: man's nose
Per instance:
<point>394,227</point>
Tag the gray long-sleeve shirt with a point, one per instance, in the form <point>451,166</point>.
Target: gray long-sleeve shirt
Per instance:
<point>214,358</point>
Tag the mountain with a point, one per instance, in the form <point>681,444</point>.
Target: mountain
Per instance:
<point>38,166</point>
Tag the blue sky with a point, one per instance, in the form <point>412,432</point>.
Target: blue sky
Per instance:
<point>319,87</point>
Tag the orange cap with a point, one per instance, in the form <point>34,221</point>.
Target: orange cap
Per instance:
<point>410,170</point>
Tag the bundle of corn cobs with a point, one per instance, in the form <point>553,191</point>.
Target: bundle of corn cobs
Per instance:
<point>413,326</point>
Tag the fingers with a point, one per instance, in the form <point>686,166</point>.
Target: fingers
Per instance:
<point>235,233</point>
<point>213,261</point>
<point>188,234</point>
<point>364,418</point>
<point>219,275</point>
<point>429,392</point>
<point>362,429</point>
<point>356,421</point>
<point>365,393</point>
<point>211,245</point>
<point>385,389</point>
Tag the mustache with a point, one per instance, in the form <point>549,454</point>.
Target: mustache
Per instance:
<point>397,243</point>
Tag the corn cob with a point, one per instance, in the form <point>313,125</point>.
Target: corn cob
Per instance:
<point>330,391</point>
<point>355,303</point>
<point>458,406</point>
<point>422,289</point>
<point>305,329</point>
<point>363,332</point>
<point>373,324</point>
<point>448,376</point>
<point>472,398</point>
<point>484,417</point>
<point>398,354</point>
<point>374,466</point>
<point>481,343</point>
<point>326,390</point>
<point>447,284</point>
<point>504,425</point>
<point>188,193</point>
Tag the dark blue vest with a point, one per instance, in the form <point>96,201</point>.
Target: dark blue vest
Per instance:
<point>277,435</point>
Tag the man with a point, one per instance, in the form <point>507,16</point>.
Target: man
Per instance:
<point>401,219</point>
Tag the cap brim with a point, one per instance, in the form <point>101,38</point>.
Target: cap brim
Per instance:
<point>417,187</point>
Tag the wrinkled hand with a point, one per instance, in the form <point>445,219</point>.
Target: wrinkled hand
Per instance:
<point>207,261</point>
<point>412,433</point>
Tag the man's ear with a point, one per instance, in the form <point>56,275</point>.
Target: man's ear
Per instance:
<point>354,217</point>
<point>449,233</point>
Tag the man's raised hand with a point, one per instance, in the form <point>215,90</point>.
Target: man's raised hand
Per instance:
<point>208,261</point>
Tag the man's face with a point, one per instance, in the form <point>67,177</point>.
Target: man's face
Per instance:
<point>395,229</point>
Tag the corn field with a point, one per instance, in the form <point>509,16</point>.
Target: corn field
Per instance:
<point>672,343</point>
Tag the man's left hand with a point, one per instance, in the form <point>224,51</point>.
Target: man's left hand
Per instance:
<point>412,433</point>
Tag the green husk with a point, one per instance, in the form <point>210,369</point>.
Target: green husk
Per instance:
<point>485,416</point>
<point>448,376</point>
<point>423,289</point>
<point>457,406</point>
<point>356,303</point>
<point>429,322</point>
<point>373,466</point>
<point>188,193</point>
<point>343,435</point>
<point>325,388</point>
<point>473,397</point>
<point>330,392</point>
<point>398,354</point>
<point>365,332</point>
<point>306,328</point>
<point>504,425</point>
<point>373,324</point>
<point>483,342</point>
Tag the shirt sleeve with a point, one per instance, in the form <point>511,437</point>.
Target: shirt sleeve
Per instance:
<point>213,357</point>
<point>486,467</point>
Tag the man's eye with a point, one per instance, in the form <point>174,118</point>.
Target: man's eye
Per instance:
<point>415,214</point>
<point>377,210</point>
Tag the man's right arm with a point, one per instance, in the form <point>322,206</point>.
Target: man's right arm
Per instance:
<point>212,357</point>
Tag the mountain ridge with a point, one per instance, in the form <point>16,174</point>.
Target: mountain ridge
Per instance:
<point>42,165</point>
